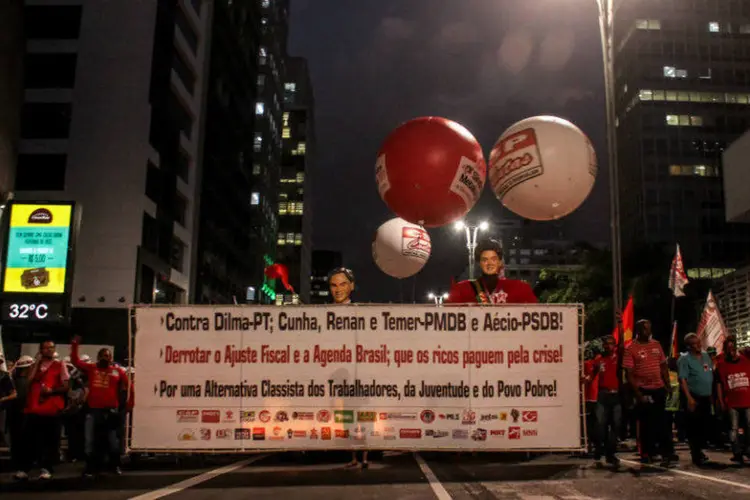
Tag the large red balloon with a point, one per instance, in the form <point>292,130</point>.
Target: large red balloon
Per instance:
<point>430,171</point>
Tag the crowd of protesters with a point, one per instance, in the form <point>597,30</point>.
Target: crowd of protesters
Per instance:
<point>699,397</point>
<point>43,395</point>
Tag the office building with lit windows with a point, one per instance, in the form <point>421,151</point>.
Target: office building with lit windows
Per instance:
<point>112,118</point>
<point>682,71</point>
<point>242,156</point>
<point>295,217</point>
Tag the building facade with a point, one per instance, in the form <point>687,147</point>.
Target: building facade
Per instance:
<point>112,118</point>
<point>323,262</point>
<point>682,71</point>
<point>11,91</point>
<point>238,219</point>
<point>295,186</point>
<point>733,298</point>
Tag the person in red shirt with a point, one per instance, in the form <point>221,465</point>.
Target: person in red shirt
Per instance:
<point>591,389</point>
<point>108,386</point>
<point>492,287</point>
<point>608,407</point>
<point>647,374</point>
<point>734,395</point>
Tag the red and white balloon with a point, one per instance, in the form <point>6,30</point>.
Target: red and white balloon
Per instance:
<point>430,171</point>
<point>542,168</point>
<point>401,249</point>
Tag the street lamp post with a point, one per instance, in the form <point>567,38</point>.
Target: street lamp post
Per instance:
<point>471,240</point>
<point>439,298</point>
<point>606,30</point>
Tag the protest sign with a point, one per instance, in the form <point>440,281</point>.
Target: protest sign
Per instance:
<point>239,378</point>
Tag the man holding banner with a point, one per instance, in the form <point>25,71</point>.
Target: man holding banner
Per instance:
<point>492,287</point>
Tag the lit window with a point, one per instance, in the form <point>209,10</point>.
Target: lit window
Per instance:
<point>283,196</point>
<point>262,52</point>
<point>300,190</point>
<point>299,208</point>
<point>260,108</point>
<point>696,121</point>
<point>681,73</point>
<point>264,21</point>
<point>669,71</point>
<point>658,95</point>
<point>641,24</point>
<point>713,27</point>
<point>283,207</point>
<point>285,117</point>
<point>654,24</point>
<point>256,168</point>
<point>684,120</point>
<point>671,95</point>
<point>673,120</point>
<point>290,87</point>
<point>302,148</point>
<point>300,177</point>
<point>705,75</point>
<point>290,238</point>
<point>646,95</point>
<point>255,198</point>
<point>298,239</point>
<point>281,240</point>
<point>265,3</point>
<point>286,133</point>
<point>261,80</point>
<point>258,142</point>
<point>648,24</point>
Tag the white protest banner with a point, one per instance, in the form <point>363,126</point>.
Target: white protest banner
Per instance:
<point>237,378</point>
<point>711,328</point>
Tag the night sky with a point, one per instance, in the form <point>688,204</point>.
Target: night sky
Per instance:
<point>483,63</point>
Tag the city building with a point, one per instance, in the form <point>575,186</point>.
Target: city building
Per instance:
<point>733,298</point>
<point>112,118</point>
<point>323,262</point>
<point>736,180</point>
<point>11,91</point>
<point>295,217</point>
<point>242,156</point>
<point>682,71</point>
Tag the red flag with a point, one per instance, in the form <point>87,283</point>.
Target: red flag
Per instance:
<point>628,323</point>
<point>279,271</point>
<point>673,351</point>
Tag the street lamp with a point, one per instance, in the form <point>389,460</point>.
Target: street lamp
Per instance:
<point>471,240</point>
<point>437,298</point>
<point>606,30</point>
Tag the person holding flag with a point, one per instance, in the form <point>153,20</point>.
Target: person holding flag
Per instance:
<point>492,287</point>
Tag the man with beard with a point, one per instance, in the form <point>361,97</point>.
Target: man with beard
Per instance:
<point>108,386</point>
<point>492,287</point>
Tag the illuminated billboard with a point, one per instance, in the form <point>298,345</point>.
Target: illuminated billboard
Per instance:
<point>37,249</point>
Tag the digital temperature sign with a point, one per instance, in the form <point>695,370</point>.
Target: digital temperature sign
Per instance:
<point>28,311</point>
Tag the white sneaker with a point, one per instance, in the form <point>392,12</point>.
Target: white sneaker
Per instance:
<point>44,474</point>
<point>20,476</point>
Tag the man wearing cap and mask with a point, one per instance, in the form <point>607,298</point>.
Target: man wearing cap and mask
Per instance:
<point>492,287</point>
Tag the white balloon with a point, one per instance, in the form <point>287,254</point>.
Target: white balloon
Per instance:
<point>401,249</point>
<point>542,168</point>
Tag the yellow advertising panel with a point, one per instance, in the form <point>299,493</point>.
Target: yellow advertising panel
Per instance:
<point>36,259</point>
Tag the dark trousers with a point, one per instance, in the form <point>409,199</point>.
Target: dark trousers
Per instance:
<point>43,434</point>
<point>591,423</point>
<point>608,420</point>
<point>19,448</point>
<point>699,425</point>
<point>655,430</point>
<point>102,441</point>
<point>75,424</point>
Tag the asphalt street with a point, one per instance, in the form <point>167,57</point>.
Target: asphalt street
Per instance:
<point>396,476</point>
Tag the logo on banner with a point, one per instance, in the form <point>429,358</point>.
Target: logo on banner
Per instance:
<point>427,416</point>
<point>515,414</point>
<point>259,433</point>
<point>343,416</point>
<point>415,242</point>
<point>240,434</point>
<point>282,416</point>
<point>324,416</point>
<point>460,434</point>
<point>503,416</point>
<point>529,416</point>
<point>278,434</point>
<point>248,416</point>
<point>205,434</point>
<point>435,434</point>
<point>187,416</point>
<point>449,416</point>
<point>210,416</point>
<point>479,435</point>
<point>228,417</point>
<point>486,417</point>
<point>314,433</point>
<point>264,416</point>
<point>342,434</point>
<point>186,435</point>
<point>530,433</point>
<point>497,433</point>
<point>514,433</point>
<point>389,433</point>
<point>410,433</point>
<point>325,433</point>
<point>223,433</point>
<point>367,416</point>
<point>397,416</point>
<point>303,415</point>
<point>469,417</point>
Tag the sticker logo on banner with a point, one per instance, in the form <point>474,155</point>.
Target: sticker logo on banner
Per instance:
<point>530,416</point>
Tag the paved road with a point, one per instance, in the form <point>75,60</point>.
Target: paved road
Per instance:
<point>397,476</point>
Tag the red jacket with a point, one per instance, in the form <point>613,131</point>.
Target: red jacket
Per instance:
<point>104,384</point>
<point>39,404</point>
<point>506,292</point>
